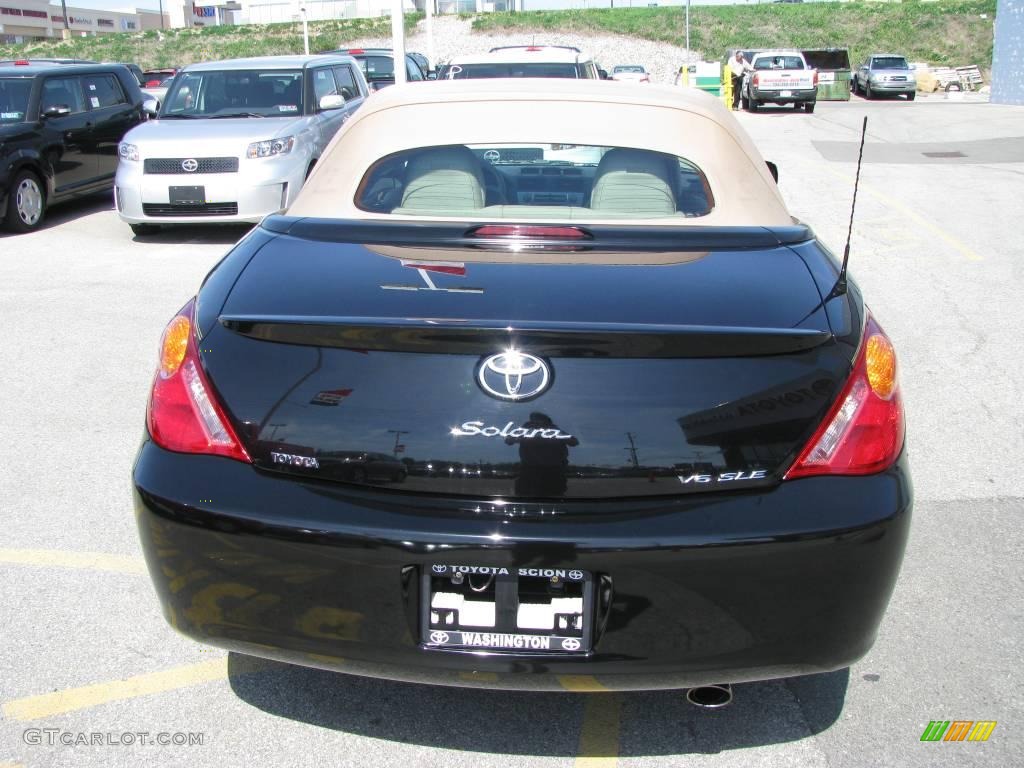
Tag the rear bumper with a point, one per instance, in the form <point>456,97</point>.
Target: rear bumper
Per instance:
<point>775,97</point>
<point>744,586</point>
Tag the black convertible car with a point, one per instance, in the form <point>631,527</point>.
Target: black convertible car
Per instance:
<point>632,422</point>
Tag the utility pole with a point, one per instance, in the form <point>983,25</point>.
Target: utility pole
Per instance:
<point>67,27</point>
<point>632,450</point>
<point>398,436</point>
<point>161,13</point>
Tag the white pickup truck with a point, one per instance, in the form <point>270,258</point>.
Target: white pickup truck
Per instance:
<point>780,77</point>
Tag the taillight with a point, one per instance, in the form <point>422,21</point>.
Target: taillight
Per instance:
<point>184,414</point>
<point>815,78</point>
<point>755,79</point>
<point>863,432</point>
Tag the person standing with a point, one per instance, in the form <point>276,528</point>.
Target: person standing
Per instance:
<point>739,66</point>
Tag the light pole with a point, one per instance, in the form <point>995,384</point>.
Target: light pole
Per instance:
<point>430,34</point>
<point>305,28</point>
<point>687,62</point>
<point>398,41</point>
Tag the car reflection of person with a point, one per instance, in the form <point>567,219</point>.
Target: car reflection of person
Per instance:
<point>543,461</point>
<point>739,66</point>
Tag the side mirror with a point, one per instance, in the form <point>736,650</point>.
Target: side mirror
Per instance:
<point>334,101</point>
<point>57,110</point>
<point>773,169</point>
<point>150,106</point>
<point>603,74</point>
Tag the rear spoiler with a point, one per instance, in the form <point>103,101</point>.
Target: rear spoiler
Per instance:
<point>616,237</point>
<point>554,339</point>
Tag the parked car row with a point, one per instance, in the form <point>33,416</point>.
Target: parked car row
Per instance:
<point>259,125</point>
<point>230,141</point>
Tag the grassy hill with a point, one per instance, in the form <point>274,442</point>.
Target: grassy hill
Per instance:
<point>177,47</point>
<point>949,32</point>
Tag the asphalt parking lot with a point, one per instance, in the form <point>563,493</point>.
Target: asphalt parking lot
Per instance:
<point>937,251</point>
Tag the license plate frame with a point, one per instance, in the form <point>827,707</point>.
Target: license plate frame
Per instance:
<point>571,633</point>
<point>187,195</point>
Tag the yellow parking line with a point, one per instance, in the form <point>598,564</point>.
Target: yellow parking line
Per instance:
<point>92,561</point>
<point>581,684</point>
<point>599,736</point>
<point>59,702</point>
<point>931,226</point>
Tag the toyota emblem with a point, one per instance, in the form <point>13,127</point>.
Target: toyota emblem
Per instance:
<point>513,375</point>
<point>190,166</point>
<point>571,644</point>
<point>492,156</point>
<point>441,637</point>
<point>439,568</point>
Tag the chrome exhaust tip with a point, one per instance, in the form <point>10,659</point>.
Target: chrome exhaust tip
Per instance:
<point>713,696</point>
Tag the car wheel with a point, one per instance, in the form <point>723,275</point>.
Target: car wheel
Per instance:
<point>26,203</point>
<point>145,230</point>
<point>752,105</point>
<point>867,92</point>
<point>911,95</point>
<point>809,107</point>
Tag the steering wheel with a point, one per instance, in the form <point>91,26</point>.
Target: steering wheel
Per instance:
<point>495,186</point>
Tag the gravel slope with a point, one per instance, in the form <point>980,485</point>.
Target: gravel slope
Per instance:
<point>454,36</point>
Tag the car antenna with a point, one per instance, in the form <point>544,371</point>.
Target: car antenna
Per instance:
<point>840,287</point>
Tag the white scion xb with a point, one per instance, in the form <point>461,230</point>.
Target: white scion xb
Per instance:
<point>234,140</point>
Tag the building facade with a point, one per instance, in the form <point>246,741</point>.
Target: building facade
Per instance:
<point>1008,54</point>
<point>25,20</point>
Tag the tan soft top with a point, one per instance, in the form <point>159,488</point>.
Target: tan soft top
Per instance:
<point>678,121</point>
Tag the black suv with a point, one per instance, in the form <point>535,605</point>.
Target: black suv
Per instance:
<point>60,125</point>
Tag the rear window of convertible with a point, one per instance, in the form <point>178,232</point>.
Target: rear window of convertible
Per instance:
<point>563,181</point>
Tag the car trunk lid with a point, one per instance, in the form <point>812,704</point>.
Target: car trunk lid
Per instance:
<point>698,368</point>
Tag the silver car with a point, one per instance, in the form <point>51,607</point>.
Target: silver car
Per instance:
<point>234,140</point>
<point>885,73</point>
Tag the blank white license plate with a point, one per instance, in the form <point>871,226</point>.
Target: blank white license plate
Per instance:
<point>786,93</point>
